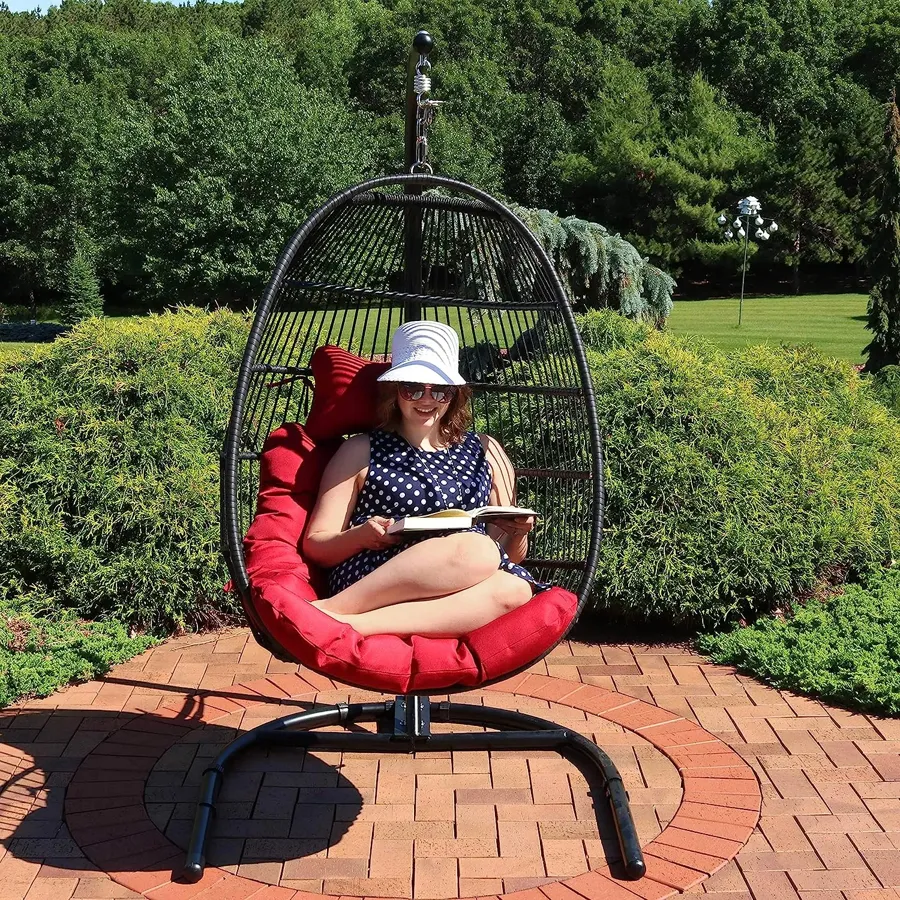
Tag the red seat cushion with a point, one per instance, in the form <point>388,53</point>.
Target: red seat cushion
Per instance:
<point>346,388</point>
<point>282,583</point>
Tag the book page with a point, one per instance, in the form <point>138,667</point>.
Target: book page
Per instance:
<point>501,511</point>
<point>476,513</point>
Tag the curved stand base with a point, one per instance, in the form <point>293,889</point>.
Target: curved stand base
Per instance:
<point>409,717</point>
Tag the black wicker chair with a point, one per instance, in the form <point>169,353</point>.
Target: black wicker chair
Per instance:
<point>420,246</point>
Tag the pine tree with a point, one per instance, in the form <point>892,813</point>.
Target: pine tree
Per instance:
<point>884,257</point>
<point>83,300</point>
<point>601,270</point>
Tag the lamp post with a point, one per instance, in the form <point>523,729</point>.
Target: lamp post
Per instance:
<point>748,208</point>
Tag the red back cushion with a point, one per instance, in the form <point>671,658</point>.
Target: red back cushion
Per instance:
<point>290,470</point>
<point>345,394</point>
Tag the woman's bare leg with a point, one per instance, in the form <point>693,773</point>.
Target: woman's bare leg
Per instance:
<point>433,568</point>
<point>450,616</point>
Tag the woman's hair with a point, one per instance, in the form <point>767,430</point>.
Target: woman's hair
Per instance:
<point>454,422</point>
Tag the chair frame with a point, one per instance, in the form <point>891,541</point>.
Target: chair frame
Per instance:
<point>403,725</point>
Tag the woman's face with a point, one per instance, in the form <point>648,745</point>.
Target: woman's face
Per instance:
<point>418,405</point>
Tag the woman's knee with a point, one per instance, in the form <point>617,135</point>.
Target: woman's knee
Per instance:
<point>512,591</point>
<point>476,552</point>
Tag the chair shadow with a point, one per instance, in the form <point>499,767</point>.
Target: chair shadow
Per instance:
<point>274,804</point>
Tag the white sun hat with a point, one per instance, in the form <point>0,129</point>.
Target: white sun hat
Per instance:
<point>425,353</point>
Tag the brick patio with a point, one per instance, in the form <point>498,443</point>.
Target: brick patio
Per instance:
<point>100,781</point>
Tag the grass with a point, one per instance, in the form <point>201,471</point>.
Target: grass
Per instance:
<point>834,323</point>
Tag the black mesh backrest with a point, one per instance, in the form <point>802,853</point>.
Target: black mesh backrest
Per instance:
<point>342,280</point>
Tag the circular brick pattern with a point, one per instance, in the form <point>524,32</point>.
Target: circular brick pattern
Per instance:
<point>508,820</point>
<point>118,802</point>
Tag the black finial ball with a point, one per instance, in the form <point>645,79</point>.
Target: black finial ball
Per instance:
<point>423,42</point>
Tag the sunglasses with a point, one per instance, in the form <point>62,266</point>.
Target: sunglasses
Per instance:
<point>440,393</point>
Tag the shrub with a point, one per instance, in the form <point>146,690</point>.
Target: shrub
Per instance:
<point>38,654</point>
<point>886,387</point>
<point>845,649</point>
<point>734,481</point>
<point>109,448</point>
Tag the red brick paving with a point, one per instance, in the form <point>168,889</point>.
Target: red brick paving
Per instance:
<point>100,782</point>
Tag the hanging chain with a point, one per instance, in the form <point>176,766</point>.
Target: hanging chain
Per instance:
<point>425,110</point>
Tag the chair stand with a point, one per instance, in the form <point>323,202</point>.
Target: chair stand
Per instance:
<point>405,727</point>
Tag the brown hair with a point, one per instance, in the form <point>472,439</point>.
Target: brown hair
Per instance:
<point>454,422</point>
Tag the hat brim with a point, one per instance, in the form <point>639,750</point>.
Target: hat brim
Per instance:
<point>422,372</point>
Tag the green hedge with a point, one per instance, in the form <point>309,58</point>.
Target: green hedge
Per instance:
<point>735,481</point>
<point>845,649</point>
<point>109,444</point>
<point>886,386</point>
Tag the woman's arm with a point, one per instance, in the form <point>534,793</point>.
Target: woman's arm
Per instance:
<point>328,539</point>
<point>512,534</point>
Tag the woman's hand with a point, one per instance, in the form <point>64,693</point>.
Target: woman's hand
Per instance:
<point>514,527</point>
<point>372,534</point>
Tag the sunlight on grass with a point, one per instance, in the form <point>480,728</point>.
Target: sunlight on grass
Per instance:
<point>835,323</point>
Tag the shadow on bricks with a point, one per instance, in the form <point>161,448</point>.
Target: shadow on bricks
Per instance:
<point>88,790</point>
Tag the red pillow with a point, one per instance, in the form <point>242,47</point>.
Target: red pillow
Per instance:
<point>345,394</point>
<point>290,470</point>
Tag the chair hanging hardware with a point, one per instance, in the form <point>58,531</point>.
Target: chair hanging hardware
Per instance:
<point>425,111</point>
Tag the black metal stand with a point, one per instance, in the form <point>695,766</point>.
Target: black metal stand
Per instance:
<point>409,720</point>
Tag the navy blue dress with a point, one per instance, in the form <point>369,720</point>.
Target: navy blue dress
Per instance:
<point>405,481</point>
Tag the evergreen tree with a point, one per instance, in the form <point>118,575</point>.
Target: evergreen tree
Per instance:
<point>884,257</point>
<point>801,188</point>
<point>83,289</point>
<point>601,270</point>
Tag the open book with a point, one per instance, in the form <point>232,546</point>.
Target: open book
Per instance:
<point>453,519</point>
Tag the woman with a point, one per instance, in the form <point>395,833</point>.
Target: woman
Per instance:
<point>422,459</point>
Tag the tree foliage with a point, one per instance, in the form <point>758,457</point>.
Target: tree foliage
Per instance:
<point>884,301</point>
<point>184,143</point>
<point>84,298</point>
<point>220,170</point>
<point>601,270</point>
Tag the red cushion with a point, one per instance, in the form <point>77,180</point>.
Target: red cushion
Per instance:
<point>282,586</point>
<point>345,393</point>
<point>290,469</point>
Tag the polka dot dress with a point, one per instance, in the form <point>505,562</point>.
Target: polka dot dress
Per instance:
<point>405,481</point>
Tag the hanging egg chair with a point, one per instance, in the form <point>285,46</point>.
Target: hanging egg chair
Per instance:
<point>387,251</point>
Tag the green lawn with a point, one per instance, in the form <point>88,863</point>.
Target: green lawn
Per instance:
<point>832,322</point>
<point>835,323</point>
